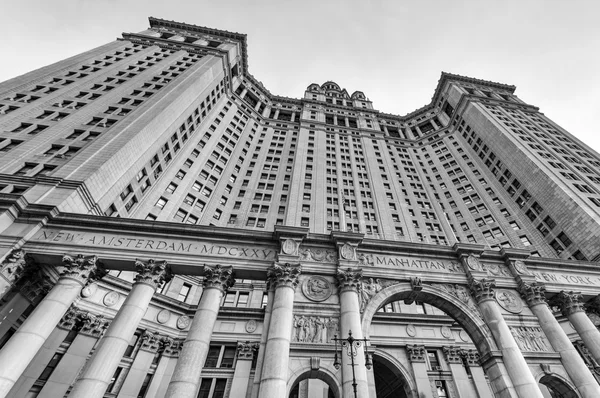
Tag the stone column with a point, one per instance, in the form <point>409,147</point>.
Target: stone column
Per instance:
<point>263,342</point>
<point>517,367</point>
<point>140,366</point>
<point>243,365</point>
<point>90,328</point>
<point>348,284</point>
<point>96,375</point>
<point>459,374</point>
<point>581,376</point>
<point>416,355</point>
<point>284,279</point>
<point>471,358</point>
<point>186,376</point>
<point>164,370</point>
<point>571,305</point>
<point>25,343</point>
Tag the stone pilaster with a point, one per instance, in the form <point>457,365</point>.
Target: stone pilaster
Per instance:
<point>141,365</point>
<point>186,376</point>
<point>25,343</point>
<point>461,380</point>
<point>417,356</point>
<point>471,359</point>
<point>245,354</point>
<point>96,376</point>
<point>572,306</point>
<point>283,278</point>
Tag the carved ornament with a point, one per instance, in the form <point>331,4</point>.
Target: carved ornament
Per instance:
<point>452,354</point>
<point>150,341</point>
<point>83,269</point>
<point>471,357</point>
<point>246,350</point>
<point>482,289</point>
<point>152,273</point>
<point>280,275</point>
<point>289,247</point>
<point>218,277</point>
<point>317,288</point>
<point>347,252</point>
<point>509,300</point>
<point>569,302</point>
<point>416,353</point>
<point>534,293</point>
<point>349,279</point>
<point>314,329</point>
<point>318,255</point>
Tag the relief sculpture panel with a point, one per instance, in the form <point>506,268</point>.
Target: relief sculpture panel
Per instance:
<point>314,329</point>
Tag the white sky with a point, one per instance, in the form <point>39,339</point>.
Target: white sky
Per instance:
<point>393,51</point>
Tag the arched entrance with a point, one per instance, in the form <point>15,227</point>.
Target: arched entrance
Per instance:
<point>318,382</point>
<point>391,379</point>
<point>456,302</point>
<point>553,387</point>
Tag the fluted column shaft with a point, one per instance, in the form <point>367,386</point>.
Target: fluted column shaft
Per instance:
<point>348,283</point>
<point>571,305</point>
<point>29,338</point>
<point>97,373</point>
<point>284,279</point>
<point>185,381</point>
<point>518,370</point>
<point>570,358</point>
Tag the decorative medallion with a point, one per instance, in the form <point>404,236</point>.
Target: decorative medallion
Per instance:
<point>463,336</point>
<point>251,326</point>
<point>473,263</point>
<point>89,290</point>
<point>288,246</point>
<point>347,252</point>
<point>446,332</point>
<point>163,316</point>
<point>317,288</point>
<point>509,300</point>
<point>111,299</point>
<point>183,322</point>
<point>521,268</point>
<point>411,330</point>
<point>594,318</point>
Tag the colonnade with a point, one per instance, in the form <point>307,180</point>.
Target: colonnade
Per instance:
<point>272,373</point>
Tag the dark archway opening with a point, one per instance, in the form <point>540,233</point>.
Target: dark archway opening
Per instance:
<point>388,383</point>
<point>553,387</point>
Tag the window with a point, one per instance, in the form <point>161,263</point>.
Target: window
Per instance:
<point>525,241</point>
<point>161,203</point>
<point>50,367</point>
<point>184,292</point>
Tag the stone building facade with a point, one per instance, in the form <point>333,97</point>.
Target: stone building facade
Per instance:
<point>170,228</point>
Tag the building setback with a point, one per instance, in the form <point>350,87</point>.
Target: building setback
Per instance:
<point>170,228</point>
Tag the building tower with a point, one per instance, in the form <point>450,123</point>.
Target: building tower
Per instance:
<point>159,158</point>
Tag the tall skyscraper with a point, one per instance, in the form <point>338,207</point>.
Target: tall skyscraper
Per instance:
<point>244,231</point>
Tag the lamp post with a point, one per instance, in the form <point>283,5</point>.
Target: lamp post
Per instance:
<point>352,346</point>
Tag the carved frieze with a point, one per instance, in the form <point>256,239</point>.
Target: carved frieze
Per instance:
<point>317,288</point>
<point>318,255</point>
<point>494,269</point>
<point>152,273</point>
<point>314,329</point>
<point>366,259</point>
<point>462,294</point>
<point>529,338</point>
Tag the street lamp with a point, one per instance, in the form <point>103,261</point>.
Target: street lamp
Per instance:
<point>352,346</point>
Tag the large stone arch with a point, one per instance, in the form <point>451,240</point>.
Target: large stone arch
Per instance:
<point>396,366</point>
<point>468,317</point>
<point>323,373</point>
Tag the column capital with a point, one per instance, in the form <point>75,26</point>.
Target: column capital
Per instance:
<point>83,269</point>
<point>14,264</point>
<point>452,354</point>
<point>482,289</point>
<point>284,275</point>
<point>416,353</point>
<point>152,273</point>
<point>218,277</point>
<point>150,341</point>
<point>246,349</point>
<point>93,325</point>
<point>593,306</point>
<point>471,357</point>
<point>534,293</point>
<point>569,302</point>
<point>349,279</point>
<point>170,347</point>
<point>70,319</point>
